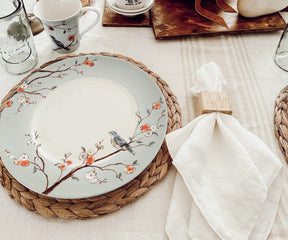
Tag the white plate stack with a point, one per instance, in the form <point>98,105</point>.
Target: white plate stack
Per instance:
<point>129,12</point>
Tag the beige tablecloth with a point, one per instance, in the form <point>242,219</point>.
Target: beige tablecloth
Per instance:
<point>254,82</point>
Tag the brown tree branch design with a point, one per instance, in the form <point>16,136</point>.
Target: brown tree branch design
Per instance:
<point>89,159</point>
<point>142,130</point>
<point>60,72</point>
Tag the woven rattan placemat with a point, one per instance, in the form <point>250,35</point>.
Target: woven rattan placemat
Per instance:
<point>109,202</point>
<point>281,120</point>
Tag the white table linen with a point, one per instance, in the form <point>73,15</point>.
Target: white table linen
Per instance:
<point>228,172</point>
<point>254,82</point>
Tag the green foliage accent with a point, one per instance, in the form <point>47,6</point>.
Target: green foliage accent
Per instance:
<point>18,31</point>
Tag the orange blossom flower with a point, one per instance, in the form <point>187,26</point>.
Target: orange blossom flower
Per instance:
<point>8,103</point>
<point>62,167</point>
<point>156,105</point>
<point>20,89</point>
<point>145,127</point>
<point>25,163</point>
<point>68,162</point>
<point>130,169</point>
<point>90,160</point>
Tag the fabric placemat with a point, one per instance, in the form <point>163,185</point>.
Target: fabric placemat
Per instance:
<point>109,202</point>
<point>178,18</point>
<point>113,19</point>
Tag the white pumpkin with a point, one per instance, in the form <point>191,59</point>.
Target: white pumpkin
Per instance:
<point>255,8</point>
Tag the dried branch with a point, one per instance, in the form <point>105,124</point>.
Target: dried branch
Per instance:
<point>43,166</point>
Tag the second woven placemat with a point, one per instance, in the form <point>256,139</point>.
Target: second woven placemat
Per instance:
<point>109,202</point>
<point>281,120</point>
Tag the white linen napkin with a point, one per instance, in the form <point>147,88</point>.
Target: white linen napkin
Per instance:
<point>228,180</point>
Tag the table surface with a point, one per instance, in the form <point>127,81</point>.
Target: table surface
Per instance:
<point>254,82</point>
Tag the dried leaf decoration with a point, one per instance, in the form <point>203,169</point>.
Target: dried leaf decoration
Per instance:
<point>213,16</point>
<point>224,6</point>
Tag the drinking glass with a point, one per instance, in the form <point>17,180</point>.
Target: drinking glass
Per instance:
<point>17,49</point>
<point>281,55</point>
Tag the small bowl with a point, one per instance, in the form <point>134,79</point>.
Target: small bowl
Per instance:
<point>130,4</point>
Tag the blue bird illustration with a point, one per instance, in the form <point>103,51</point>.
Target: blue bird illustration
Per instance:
<point>59,43</point>
<point>119,142</point>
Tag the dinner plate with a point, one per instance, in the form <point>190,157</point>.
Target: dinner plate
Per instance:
<point>82,126</point>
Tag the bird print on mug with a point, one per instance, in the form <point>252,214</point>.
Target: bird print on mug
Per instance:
<point>119,142</point>
<point>59,44</point>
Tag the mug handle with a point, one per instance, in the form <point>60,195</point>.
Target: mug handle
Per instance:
<point>94,22</point>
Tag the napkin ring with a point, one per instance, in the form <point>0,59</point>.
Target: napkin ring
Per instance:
<point>212,101</point>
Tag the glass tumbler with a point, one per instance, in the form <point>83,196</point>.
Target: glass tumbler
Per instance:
<point>17,49</point>
<point>281,55</point>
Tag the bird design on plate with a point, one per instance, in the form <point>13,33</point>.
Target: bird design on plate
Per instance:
<point>119,143</point>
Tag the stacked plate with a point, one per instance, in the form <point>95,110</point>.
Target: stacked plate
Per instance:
<point>127,12</point>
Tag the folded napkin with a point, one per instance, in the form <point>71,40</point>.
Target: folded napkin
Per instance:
<point>228,184</point>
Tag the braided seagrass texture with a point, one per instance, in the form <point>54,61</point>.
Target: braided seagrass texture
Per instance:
<point>109,202</point>
<point>281,120</point>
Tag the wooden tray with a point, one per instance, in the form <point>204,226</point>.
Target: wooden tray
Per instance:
<point>178,18</point>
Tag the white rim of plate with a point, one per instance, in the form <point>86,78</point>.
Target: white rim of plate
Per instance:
<point>132,14</point>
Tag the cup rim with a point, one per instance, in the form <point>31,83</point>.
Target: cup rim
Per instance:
<point>58,19</point>
<point>15,11</point>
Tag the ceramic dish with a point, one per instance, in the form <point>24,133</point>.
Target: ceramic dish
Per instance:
<point>115,7</point>
<point>82,126</point>
<point>130,13</point>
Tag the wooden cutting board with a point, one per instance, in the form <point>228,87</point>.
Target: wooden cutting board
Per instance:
<point>177,18</point>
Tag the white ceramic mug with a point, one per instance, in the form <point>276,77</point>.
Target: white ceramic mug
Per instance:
<point>60,19</point>
<point>130,4</point>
